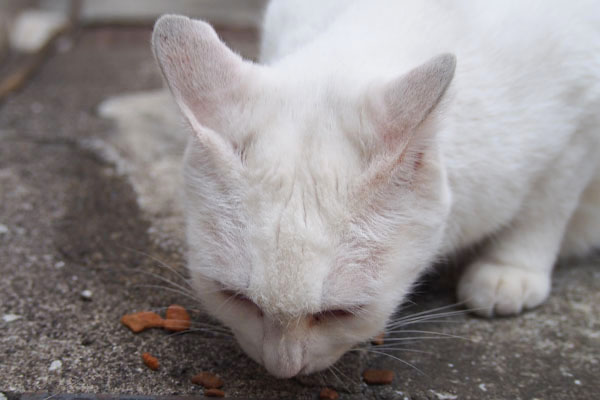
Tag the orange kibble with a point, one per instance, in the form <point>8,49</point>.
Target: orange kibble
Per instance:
<point>150,361</point>
<point>214,393</point>
<point>177,319</point>
<point>208,380</point>
<point>140,321</point>
<point>328,394</point>
<point>378,376</point>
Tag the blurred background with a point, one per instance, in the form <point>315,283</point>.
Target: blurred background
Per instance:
<point>27,26</point>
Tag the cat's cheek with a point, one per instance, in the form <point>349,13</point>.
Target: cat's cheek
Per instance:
<point>248,331</point>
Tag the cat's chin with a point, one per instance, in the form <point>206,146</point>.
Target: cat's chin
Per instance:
<point>314,366</point>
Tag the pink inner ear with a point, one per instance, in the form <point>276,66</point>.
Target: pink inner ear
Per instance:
<point>203,73</point>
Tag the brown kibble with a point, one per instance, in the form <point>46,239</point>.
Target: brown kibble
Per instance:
<point>214,393</point>
<point>378,340</point>
<point>378,376</point>
<point>143,320</point>
<point>208,380</point>
<point>328,394</point>
<point>150,361</point>
<point>178,319</point>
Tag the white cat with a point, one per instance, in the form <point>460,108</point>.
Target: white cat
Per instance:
<point>379,136</point>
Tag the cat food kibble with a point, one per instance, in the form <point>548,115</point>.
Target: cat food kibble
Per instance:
<point>378,376</point>
<point>142,320</point>
<point>328,394</point>
<point>378,340</point>
<point>177,319</point>
<point>208,380</point>
<point>214,393</point>
<point>150,361</point>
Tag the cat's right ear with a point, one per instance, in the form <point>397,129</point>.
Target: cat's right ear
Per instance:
<point>206,78</point>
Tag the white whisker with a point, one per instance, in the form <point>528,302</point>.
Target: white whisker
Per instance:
<point>170,290</point>
<point>159,261</point>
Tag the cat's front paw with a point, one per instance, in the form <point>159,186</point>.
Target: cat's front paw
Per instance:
<point>493,289</point>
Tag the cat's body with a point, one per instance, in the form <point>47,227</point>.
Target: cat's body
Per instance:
<point>494,143</point>
<point>323,184</point>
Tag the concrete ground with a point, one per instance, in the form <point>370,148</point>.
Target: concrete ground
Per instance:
<point>71,219</point>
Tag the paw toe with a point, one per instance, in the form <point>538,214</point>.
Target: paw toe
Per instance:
<point>490,289</point>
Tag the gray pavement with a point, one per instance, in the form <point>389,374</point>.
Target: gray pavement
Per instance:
<point>71,220</point>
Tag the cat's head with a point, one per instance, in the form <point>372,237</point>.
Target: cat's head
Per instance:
<point>312,204</point>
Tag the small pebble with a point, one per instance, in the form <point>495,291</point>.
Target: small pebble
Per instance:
<point>86,295</point>
<point>56,364</point>
<point>214,393</point>
<point>10,317</point>
<point>59,264</point>
<point>3,229</point>
<point>2,396</point>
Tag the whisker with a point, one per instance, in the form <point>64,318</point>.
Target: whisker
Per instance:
<point>193,310</point>
<point>170,290</point>
<point>422,322</point>
<point>433,310</point>
<point>158,260</point>
<point>162,278</point>
<point>334,374</point>
<point>342,373</point>
<point>402,349</point>
<point>225,302</point>
<point>398,359</point>
<point>416,319</point>
<point>200,330</point>
<point>410,338</point>
<point>429,316</point>
<point>448,335</point>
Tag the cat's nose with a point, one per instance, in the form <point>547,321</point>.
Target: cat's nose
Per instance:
<point>283,354</point>
<point>283,362</point>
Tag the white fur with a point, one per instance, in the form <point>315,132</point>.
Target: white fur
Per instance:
<point>332,177</point>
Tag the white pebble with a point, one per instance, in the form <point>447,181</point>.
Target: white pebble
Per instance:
<point>3,229</point>
<point>59,264</point>
<point>444,396</point>
<point>577,382</point>
<point>56,364</point>
<point>10,317</point>
<point>86,294</point>
<point>2,396</point>
<point>482,387</point>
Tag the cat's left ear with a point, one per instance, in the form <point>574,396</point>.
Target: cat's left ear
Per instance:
<point>402,111</point>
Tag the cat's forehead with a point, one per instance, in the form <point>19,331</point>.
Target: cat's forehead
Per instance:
<point>298,233</point>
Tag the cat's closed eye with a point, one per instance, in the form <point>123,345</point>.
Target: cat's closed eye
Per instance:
<point>330,315</point>
<point>333,315</point>
<point>231,295</point>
